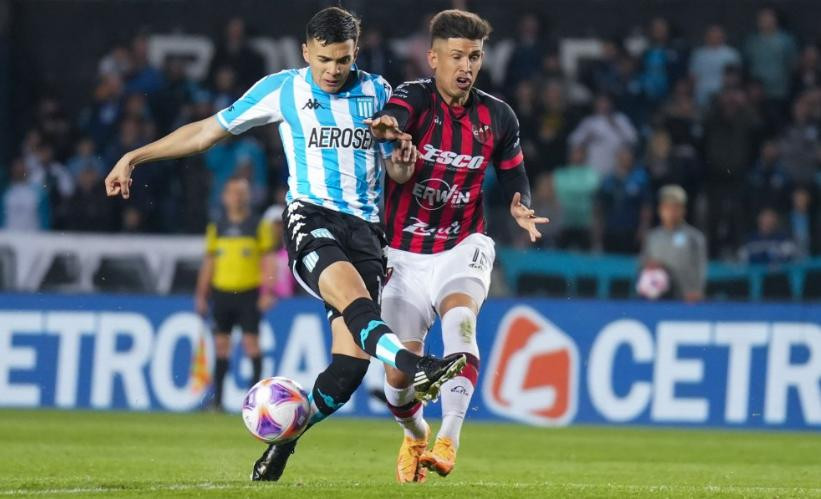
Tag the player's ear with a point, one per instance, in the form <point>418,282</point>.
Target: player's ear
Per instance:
<point>305,54</point>
<point>433,59</point>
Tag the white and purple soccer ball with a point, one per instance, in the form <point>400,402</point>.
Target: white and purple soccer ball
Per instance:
<point>276,410</point>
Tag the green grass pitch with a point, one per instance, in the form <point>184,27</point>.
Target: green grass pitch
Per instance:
<point>105,454</point>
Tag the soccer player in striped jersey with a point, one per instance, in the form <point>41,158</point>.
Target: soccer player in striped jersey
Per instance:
<point>439,259</point>
<point>332,229</point>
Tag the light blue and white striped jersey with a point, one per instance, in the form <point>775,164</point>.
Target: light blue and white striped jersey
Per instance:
<point>332,157</point>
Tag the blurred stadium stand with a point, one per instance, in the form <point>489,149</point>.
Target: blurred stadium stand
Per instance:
<point>151,65</point>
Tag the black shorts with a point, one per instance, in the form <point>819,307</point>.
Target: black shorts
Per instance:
<point>236,309</point>
<point>316,237</point>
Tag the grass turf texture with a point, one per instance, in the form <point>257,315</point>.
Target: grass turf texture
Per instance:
<point>104,454</point>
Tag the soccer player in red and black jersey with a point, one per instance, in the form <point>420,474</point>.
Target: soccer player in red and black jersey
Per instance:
<point>439,259</point>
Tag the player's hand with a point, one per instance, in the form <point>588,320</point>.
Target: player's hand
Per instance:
<point>201,305</point>
<point>526,218</point>
<point>266,301</point>
<point>386,128</point>
<point>118,181</point>
<point>405,155</point>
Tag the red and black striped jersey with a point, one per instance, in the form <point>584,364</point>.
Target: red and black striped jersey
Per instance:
<point>442,203</point>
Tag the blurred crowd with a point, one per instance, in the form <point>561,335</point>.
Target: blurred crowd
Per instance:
<point>736,125</point>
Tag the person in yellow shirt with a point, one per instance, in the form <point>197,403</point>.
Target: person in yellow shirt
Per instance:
<point>238,274</point>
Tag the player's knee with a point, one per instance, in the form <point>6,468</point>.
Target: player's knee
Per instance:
<point>337,383</point>
<point>397,378</point>
<point>250,343</point>
<point>222,345</point>
<point>340,285</point>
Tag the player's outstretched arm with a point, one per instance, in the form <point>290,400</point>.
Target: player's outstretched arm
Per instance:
<point>401,165</point>
<point>526,218</point>
<point>187,140</point>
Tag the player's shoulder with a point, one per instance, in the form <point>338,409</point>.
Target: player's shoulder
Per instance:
<point>498,107</point>
<point>422,85</point>
<point>379,82</point>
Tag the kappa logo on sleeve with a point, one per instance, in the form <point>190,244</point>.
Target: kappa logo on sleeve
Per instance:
<point>533,374</point>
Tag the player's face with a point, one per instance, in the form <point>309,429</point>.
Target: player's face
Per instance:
<point>330,63</point>
<point>237,195</point>
<point>671,213</point>
<point>456,63</point>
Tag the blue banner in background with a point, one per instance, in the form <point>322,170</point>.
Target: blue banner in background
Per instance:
<point>544,362</point>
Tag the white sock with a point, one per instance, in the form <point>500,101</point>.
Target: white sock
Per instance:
<point>456,395</point>
<point>458,336</point>
<point>406,410</point>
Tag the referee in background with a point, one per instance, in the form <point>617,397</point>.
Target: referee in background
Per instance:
<point>238,272</point>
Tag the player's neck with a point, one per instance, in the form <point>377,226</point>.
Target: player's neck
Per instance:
<point>237,216</point>
<point>450,100</point>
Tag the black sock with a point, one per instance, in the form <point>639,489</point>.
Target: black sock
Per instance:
<point>256,362</point>
<point>367,327</point>
<point>335,385</point>
<point>219,377</point>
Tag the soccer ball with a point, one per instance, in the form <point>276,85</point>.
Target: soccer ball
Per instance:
<point>653,283</point>
<point>276,410</point>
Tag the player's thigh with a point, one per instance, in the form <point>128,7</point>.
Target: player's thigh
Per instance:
<point>464,269</point>
<point>224,311</point>
<point>406,306</point>
<point>343,341</point>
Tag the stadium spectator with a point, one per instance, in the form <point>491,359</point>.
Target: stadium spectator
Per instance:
<point>85,158</point>
<point>25,204</point>
<point>546,202</point>
<point>807,74</point>
<point>555,122</point>
<point>680,116</point>
<point>88,214</point>
<point>143,77</point>
<point>525,105</point>
<point>677,247</point>
<point>526,60</point>
<point>99,119</point>
<point>623,206</point>
<point>225,87</point>
<point>662,63</point>
<point>177,92</point>
<point>770,55</point>
<point>603,134</point>
<point>576,185</point>
<point>44,170</point>
<point>376,55</point>
<point>117,61</point>
<point>801,143</point>
<point>730,133</point>
<point>708,62</point>
<point>802,222</point>
<point>236,53</point>
<point>768,184</point>
<point>769,245</point>
<point>223,160</point>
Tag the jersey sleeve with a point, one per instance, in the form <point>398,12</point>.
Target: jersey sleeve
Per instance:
<point>211,239</point>
<point>259,106</point>
<point>508,154</point>
<point>265,236</point>
<point>407,102</point>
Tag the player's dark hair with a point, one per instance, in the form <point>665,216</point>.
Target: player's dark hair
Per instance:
<point>332,25</point>
<point>455,23</point>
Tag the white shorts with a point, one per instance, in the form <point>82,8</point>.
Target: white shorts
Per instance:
<point>418,282</point>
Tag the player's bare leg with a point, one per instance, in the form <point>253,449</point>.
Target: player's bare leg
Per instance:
<point>222,347</point>
<point>341,286</point>
<point>458,312</point>
<point>408,413</point>
<point>250,344</point>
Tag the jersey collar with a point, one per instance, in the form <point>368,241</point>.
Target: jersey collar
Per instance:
<point>347,88</point>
